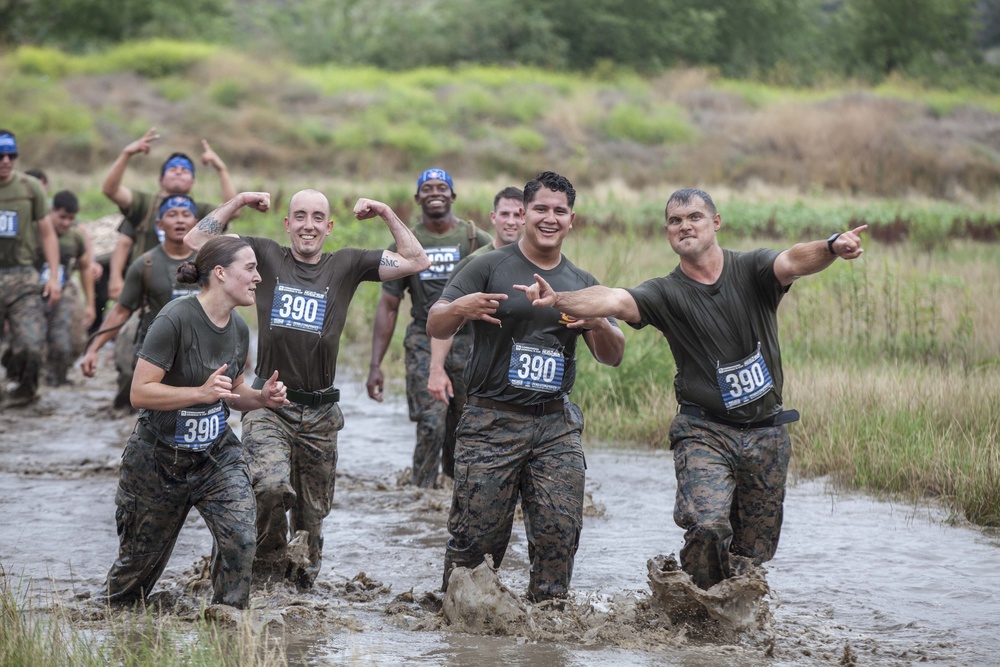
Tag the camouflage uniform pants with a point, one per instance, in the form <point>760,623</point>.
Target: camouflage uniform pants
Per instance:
<point>501,455</point>
<point>157,487</point>
<point>21,308</point>
<point>126,355</point>
<point>730,492</point>
<point>59,335</point>
<point>292,453</point>
<point>430,414</point>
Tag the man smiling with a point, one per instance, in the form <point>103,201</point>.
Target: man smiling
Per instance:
<point>302,302</point>
<point>447,239</point>
<point>520,435</point>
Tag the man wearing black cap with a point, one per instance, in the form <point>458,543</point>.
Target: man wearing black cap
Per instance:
<point>138,231</point>
<point>23,223</point>
<point>446,240</point>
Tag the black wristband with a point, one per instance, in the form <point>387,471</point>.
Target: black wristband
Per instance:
<point>829,243</point>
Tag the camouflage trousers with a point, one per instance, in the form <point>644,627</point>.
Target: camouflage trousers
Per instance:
<point>433,417</point>
<point>500,456</point>
<point>63,321</point>
<point>126,355</point>
<point>292,453</point>
<point>730,492</point>
<point>157,487</point>
<point>21,309</point>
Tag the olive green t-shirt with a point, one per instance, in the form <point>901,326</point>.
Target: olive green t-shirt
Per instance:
<point>531,358</point>
<point>71,248</point>
<point>22,205</point>
<point>724,337</point>
<point>445,251</point>
<point>185,343</point>
<point>302,309</point>
<point>139,223</point>
<point>157,284</point>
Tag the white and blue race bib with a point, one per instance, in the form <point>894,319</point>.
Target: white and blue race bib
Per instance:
<point>298,308</point>
<point>536,368</point>
<point>443,261</point>
<point>744,381</point>
<point>198,429</point>
<point>45,274</point>
<point>8,224</point>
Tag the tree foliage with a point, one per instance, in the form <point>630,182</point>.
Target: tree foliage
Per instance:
<point>795,40</point>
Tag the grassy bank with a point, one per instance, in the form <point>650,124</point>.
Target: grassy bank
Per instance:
<point>269,118</point>
<point>35,636</point>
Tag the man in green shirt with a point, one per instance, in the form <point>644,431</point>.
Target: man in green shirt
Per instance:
<point>718,312</point>
<point>446,240</point>
<point>150,283</point>
<point>138,231</point>
<point>74,255</point>
<point>23,225</point>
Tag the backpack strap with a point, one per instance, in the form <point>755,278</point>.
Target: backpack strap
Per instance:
<point>473,238</point>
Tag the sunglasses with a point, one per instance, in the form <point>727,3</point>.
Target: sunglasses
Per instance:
<point>12,156</point>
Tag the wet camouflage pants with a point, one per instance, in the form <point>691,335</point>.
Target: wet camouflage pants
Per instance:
<point>157,487</point>
<point>59,334</point>
<point>21,308</point>
<point>501,455</point>
<point>431,415</point>
<point>292,453</point>
<point>126,355</point>
<point>730,491</point>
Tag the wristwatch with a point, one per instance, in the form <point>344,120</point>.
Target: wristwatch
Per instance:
<point>829,242</point>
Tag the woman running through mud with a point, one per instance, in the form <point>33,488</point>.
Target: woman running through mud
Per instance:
<point>182,453</point>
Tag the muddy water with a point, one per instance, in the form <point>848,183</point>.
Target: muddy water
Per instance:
<point>855,580</point>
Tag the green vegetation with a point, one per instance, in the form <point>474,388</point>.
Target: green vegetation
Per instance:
<point>56,636</point>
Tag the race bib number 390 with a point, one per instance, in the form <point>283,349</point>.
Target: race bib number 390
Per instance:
<point>198,429</point>
<point>298,308</point>
<point>536,368</point>
<point>443,261</point>
<point>8,224</point>
<point>744,381</point>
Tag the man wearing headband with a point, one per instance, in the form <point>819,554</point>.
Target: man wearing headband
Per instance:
<point>138,233</point>
<point>302,303</point>
<point>446,239</point>
<point>23,224</point>
<point>150,283</point>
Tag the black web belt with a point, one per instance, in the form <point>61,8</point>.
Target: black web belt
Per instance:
<point>311,398</point>
<point>539,409</point>
<point>783,417</point>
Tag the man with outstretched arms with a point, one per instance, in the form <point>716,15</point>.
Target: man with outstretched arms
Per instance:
<point>718,311</point>
<point>24,225</point>
<point>507,217</point>
<point>138,233</point>
<point>519,434</point>
<point>150,283</point>
<point>447,239</point>
<point>302,302</point>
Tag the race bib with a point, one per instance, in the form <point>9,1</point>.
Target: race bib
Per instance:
<point>8,224</point>
<point>197,429</point>
<point>45,274</point>
<point>298,308</point>
<point>178,292</point>
<point>443,261</point>
<point>536,368</point>
<point>744,381</point>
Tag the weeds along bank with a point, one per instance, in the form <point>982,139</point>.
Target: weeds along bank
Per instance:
<point>269,118</point>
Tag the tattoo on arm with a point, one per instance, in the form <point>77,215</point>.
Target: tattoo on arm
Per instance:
<point>210,225</point>
<point>388,261</point>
